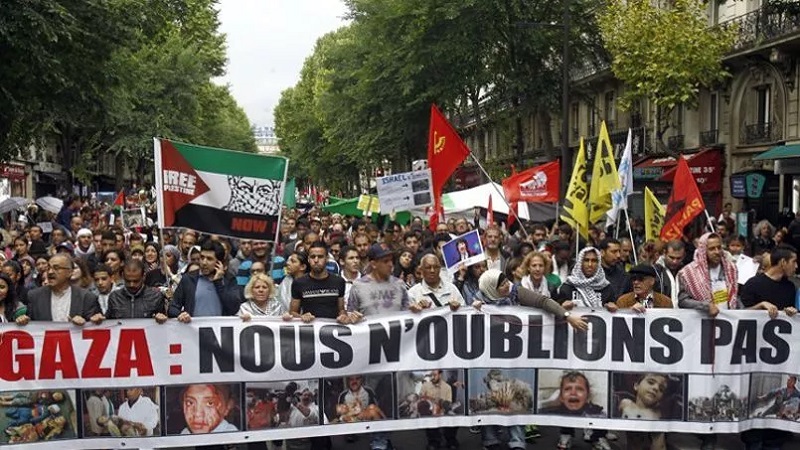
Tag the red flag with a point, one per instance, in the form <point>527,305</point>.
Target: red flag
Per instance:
<point>436,216</point>
<point>120,200</point>
<point>490,212</point>
<point>685,202</point>
<point>512,214</point>
<point>446,151</point>
<point>538,184</point>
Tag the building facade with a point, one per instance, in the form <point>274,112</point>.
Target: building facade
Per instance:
<point>755,110</point>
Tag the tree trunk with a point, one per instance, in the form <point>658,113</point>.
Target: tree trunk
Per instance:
<point>119,173</point>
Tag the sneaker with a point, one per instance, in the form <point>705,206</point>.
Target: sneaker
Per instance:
<point>564,442</point>
<point>475,430</point>
<point>611,436</point>
<point>601,444</point>
<point>531,433</point>
<point>587,435</point>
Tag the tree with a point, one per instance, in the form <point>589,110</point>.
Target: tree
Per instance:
<point>664,54</point>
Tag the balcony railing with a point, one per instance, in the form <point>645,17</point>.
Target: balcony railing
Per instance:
<point>758,133</point>
<point>709,137</point>
<point>675,143</point>
<point>765,24</point>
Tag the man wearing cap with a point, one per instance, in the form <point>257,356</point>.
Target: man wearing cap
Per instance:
<point>85,248</point>
<point>643,278</point>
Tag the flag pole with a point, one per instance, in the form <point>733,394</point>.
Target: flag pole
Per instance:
<point>616,232</point>
<point>510,209</point>
<point>708,219</point>
<point>630,232</point>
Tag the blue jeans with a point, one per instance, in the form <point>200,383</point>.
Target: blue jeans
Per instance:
<point>490,435</point>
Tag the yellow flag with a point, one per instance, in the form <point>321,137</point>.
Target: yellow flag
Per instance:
<point>654,213</point>
<point>575,210</point>
<point>605,179</point>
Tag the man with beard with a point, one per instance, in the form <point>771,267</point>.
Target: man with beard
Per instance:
<point>84,248</point>
<point>320,293</point>
<point>667,268</point>
<point>242,255</point>
<point>141,411</point>
<point>206,293</point>
<point>612,265</point>
<point>493,242</point>
<point>437,390</point>
<point>135,300</point>
<point>305,412</point>
<point>709,283</point>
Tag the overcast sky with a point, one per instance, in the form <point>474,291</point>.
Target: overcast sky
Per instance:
<point>268,40</point>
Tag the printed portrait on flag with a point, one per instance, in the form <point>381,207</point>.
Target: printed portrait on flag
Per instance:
<point>465,250</point>
<point>34,416</point>
<point>128,412</point>
<point>203,408</point>
<point>430,393</point>
<point>282,404</point>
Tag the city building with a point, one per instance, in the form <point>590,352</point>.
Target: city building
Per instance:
<point>266,140</point>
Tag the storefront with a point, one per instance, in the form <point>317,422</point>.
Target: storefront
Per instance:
<point>49,179</point>
<point>13,180</point>
<point>657,173</point>
<point>782,186</point>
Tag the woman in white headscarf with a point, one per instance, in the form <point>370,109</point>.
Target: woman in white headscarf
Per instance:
<point>587,285</point>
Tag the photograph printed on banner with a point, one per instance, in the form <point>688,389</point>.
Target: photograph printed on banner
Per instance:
<point>34,416</point>
<point>501,391</point>
<point>774,395</point>
<point>359,398</point>
<point>203,408</point>
<point>430,393</point>
<point>573,393</point>
<point>717,398</point>
<point>118,412</point>
<point>286,404</point>
<point>647,396</point>
<point>465,250</point>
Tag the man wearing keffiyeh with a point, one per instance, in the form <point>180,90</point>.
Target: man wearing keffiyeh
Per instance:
<point>709,283</point>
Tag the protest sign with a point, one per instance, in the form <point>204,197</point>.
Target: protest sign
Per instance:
<point>718,375</point>
<point>404,191</point>
<point>465,250</point>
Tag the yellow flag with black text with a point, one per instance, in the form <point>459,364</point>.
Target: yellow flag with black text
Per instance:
<point>576,212</point>
<point>654,213</point>
<point>605,179</point>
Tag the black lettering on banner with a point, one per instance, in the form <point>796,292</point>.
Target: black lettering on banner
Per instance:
<point>744,345</point>
<point>505,329</point>
<point>714,332</point>
<point>660,330</point>
<point>289,350</point>
<point>624,338</point>
<point>212,350</point>
<point>328,337</point>
<point>560,340</point>
<point>770,333</point>
<point>535,338</point>
<point>383,342</point>
<point>440,347</point>
<point>596,334</point>
<point>469,344</point>
<point>265,360</point>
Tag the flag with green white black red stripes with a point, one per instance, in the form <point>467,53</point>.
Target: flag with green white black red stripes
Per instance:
<point>219,191</point>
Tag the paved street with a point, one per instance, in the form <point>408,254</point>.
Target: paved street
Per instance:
<point>415,440</point>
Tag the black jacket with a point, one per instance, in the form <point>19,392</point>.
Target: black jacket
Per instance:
<point>618,278</point>
<point>568,292</point>
<point>144,305</point>
<point>230,295</point>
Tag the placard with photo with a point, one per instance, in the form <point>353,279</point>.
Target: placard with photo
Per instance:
<point>35,416</point>
<point>359,398</point>
<point>466,250</point>
<point>774,396</point>
<point>122,412</point>
<point>285,404</point>
<point>501,391</point>
<point>582,393</point>
<point>203,408</point>
<point>647,396</point>
<point>717,398</point>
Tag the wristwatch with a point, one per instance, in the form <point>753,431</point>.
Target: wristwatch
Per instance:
<point>567,314</point>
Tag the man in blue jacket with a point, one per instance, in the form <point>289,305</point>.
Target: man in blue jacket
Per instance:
<point>208,293</point>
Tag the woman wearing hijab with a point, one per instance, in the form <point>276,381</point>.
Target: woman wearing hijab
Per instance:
<point>496,289</point>
<point>587,286</point>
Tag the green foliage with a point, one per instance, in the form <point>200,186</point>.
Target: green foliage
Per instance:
<point>665,54</point>
<point>108,75</point>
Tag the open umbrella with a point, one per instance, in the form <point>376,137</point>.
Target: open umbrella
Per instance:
<point>12,203</point>
<point>49,203</point>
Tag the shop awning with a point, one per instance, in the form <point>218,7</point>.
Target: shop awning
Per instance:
<point>653,168</point>
<point>780,152</point>
<point>706,166</point>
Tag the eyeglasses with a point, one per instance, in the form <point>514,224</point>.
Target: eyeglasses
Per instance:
<point>257,271</point>
<point>60,268</point>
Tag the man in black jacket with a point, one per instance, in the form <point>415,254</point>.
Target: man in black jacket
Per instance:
<point>135,300</point>
<point>207,293</point>
<point>611,260</point>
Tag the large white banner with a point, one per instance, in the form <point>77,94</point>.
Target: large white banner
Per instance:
<point>138,384</point>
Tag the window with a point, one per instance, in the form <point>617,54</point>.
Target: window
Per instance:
<point>609,112</point>
<point>592,116</point>
<point>763,105</point>
<point>574,119</point>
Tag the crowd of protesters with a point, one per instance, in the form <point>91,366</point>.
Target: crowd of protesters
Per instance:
<point>79,266</point>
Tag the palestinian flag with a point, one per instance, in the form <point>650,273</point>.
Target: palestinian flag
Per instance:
<point>219,191</point>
